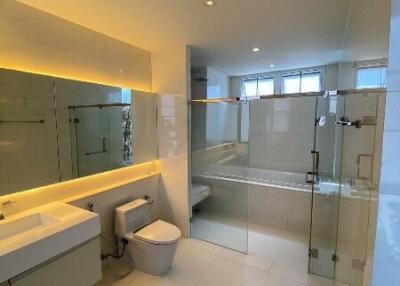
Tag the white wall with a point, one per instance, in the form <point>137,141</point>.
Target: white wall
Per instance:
<point>366,37</point>
<point>33,40</point>
<point>171,82</point>
<point>387,248</point>
<point>105,204</point>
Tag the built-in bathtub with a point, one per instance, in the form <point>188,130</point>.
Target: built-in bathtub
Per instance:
<point>271,198</point>
<point>260,197</point>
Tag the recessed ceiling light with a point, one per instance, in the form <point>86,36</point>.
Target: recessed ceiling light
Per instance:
<point>256,49</point>
<point>210,3</point>
<point>272,66</point>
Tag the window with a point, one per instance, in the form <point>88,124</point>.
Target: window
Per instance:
<point>301,82</point>
<point>371,77</point>
<point>259,86</point>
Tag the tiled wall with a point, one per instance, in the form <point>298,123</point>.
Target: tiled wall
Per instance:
<point>106,202</point>
<point>387,248</point>
<point>171,82</point>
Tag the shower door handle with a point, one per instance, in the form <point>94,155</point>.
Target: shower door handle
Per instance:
<point>316,160</point>
<point>308,175</point>
<point>345,122</point>
<point>315,173</point>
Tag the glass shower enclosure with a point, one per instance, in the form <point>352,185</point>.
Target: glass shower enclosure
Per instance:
<point>101,137</point>
<point>303,163</point>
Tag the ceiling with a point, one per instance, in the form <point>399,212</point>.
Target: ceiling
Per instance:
<point>289,33</point>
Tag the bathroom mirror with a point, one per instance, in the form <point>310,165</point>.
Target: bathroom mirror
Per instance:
<point>53,130</point>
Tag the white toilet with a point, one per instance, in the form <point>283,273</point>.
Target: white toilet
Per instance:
<point>152,246</point>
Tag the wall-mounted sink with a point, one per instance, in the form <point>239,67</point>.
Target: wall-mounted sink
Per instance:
<point>37,235</point>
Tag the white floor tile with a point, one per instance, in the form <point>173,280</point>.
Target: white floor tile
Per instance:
<point>272,261</point>
<point>201,245</point>
<point>294,268</point>
<point>251,259</point>
<point>189,265</point>
<point>110,275</point>
<point>142,279</point>
<point>277,280</point>
<point>228,272</point>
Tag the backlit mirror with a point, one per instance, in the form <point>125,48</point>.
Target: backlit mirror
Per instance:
<point>53,129</point>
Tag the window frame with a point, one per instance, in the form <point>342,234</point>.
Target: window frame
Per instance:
<point>360,67</point>
<point>257,78</point>
<point>301,73</point>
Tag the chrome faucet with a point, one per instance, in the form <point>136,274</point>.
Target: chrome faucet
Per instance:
<point>3,206</point>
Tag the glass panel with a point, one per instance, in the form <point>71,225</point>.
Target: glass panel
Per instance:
<point>280,141</point>
<point>359,178</point>
<point>326,186</point>
<point>219,157</point>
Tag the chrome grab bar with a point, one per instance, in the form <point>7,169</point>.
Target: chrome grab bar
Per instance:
<point>22,121</point>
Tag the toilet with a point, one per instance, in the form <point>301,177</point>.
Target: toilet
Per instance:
<point>152,245</point>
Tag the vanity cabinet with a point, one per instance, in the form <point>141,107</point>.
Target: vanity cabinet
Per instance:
<point>81,266</point>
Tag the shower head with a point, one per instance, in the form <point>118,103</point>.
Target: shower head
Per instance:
<point>200,77</point>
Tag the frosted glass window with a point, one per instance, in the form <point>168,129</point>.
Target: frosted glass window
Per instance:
<point>250,87</point>
<point>291,84</point>
<point>266,86</point>
<point>303,82</point>
<point>260,86</point>
<point>311,82</point>
<point>372,77</point>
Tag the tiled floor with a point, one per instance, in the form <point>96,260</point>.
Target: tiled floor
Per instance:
<point>273,260</point>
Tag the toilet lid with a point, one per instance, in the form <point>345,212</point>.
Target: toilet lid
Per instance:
<point>159,232</point>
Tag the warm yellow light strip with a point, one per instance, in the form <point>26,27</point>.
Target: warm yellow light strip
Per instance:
<point>79,188</point>
<point>64,76</point>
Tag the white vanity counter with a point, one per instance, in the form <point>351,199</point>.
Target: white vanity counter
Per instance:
<point>32,237</point>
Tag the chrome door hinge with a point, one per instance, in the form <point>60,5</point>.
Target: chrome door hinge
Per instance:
<point>357,264</point>
<point>313,252</point>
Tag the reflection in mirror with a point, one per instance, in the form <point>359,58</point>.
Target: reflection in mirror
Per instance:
<point>101,137</point>
<point>28,141</point>
<point>53,129</point>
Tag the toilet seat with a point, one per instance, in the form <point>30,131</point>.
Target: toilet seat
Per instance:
<point>159,233</point>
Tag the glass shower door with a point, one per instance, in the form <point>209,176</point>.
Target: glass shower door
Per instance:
<point>359,180</point>
<point>347,136</point>
<point>325,180</point>
<point>219,159</point>
<point>101,138</point>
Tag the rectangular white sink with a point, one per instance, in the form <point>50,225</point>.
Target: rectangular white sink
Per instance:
<point>34,236</point>
<point>24,224</point>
